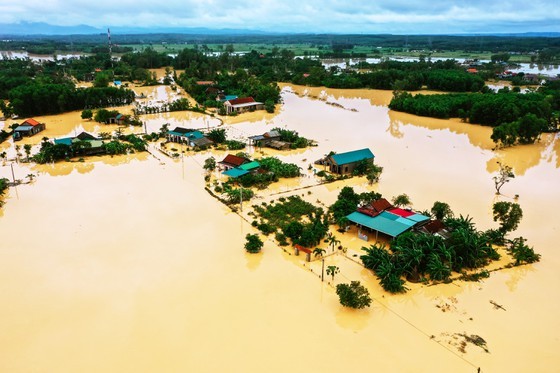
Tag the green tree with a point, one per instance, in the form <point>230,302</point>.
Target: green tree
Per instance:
<point>353,295</point>
<point>27,149</point>
<point>253,243</point>
<point>101,80</point>
<point>332,240</point>
<point>402,200</point>
<point>508,214</point>
<point>441,210</point>
<point>218,135</point>
<point>521,252</point>
<point>210,164</point>
<point>332,271</point>
<point>373,173</point>
<point>87,114</point>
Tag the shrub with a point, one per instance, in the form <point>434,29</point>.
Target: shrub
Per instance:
<point>353,295</point>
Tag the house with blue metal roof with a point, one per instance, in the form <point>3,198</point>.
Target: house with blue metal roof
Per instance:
<point>189,137</point>
<point>345,163</point>
<point>387,222</point>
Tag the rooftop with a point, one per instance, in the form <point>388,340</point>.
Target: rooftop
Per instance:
<point>30,122</point>
<point>353,156</point>
<point>235,172</point>
<point>234,160</point>
<point>242,100</point>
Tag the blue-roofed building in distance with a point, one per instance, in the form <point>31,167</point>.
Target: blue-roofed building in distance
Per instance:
<point>345,163</point>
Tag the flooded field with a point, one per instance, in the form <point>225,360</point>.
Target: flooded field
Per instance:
<point>128,264</point>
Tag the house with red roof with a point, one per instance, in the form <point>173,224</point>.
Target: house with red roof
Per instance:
<point>28,128</point>
<point>232,161</point>
<point>241,105</point>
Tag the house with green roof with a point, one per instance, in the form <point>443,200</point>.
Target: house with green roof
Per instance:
<point>345,163</point>
<point>84,144</point>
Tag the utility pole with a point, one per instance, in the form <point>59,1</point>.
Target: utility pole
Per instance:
<point>241,199</point>
<point>13,175</point>
<point>322,269</point>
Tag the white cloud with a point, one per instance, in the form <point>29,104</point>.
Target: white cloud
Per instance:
<point>359,16</point>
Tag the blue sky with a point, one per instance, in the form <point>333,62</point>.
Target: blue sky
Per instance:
<point>310,16</point>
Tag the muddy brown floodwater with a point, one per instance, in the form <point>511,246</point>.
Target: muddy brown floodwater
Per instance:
<point>126,264</point>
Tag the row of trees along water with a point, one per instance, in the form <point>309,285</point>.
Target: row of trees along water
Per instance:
<point>516,117</point>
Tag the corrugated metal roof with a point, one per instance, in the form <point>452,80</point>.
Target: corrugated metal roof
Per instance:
<point>195,135</point>
<point>30,122</point>
<point>242,100</point>
<point>95,143</point>
<point>235,172</point>
<point>23,128</point>
<point>64,141</point>
<point>401,212</point>
<point>234,160</point>
<point>379,223</point>
<point>418,218</point>
<point>353,156</point>
<point>250,166</point>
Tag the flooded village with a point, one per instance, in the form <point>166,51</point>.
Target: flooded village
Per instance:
<point>132,262</point>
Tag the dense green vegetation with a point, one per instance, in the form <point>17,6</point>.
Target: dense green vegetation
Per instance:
<point>253,243</point>
<point>348,201</point>
<point>517,118</point>
<point>35,98</point>
<point>50,152</point>
<point>353,295</point>
<point>418,256</point>
<point>296,141</point>
<point>293,218</point>
<point>3,187</point>
<point>547,47</point>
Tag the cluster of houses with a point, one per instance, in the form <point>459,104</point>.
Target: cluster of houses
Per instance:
<point>381,217</point>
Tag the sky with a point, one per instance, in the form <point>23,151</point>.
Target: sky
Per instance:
<point>308,16</point>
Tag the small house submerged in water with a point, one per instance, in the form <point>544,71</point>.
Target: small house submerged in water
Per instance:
<point>345,163</point>
<point>28,128</point>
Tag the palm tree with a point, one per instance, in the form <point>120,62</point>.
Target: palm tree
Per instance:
<point>332,271</point>
<point>437,269</point>
<point>18,152</point>
<point>27,149</point>
<point>332,240</point>
<point>318,252</point>
<point>410,258</point>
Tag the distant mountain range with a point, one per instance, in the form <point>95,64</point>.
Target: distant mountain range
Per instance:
<point>41,28</point>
